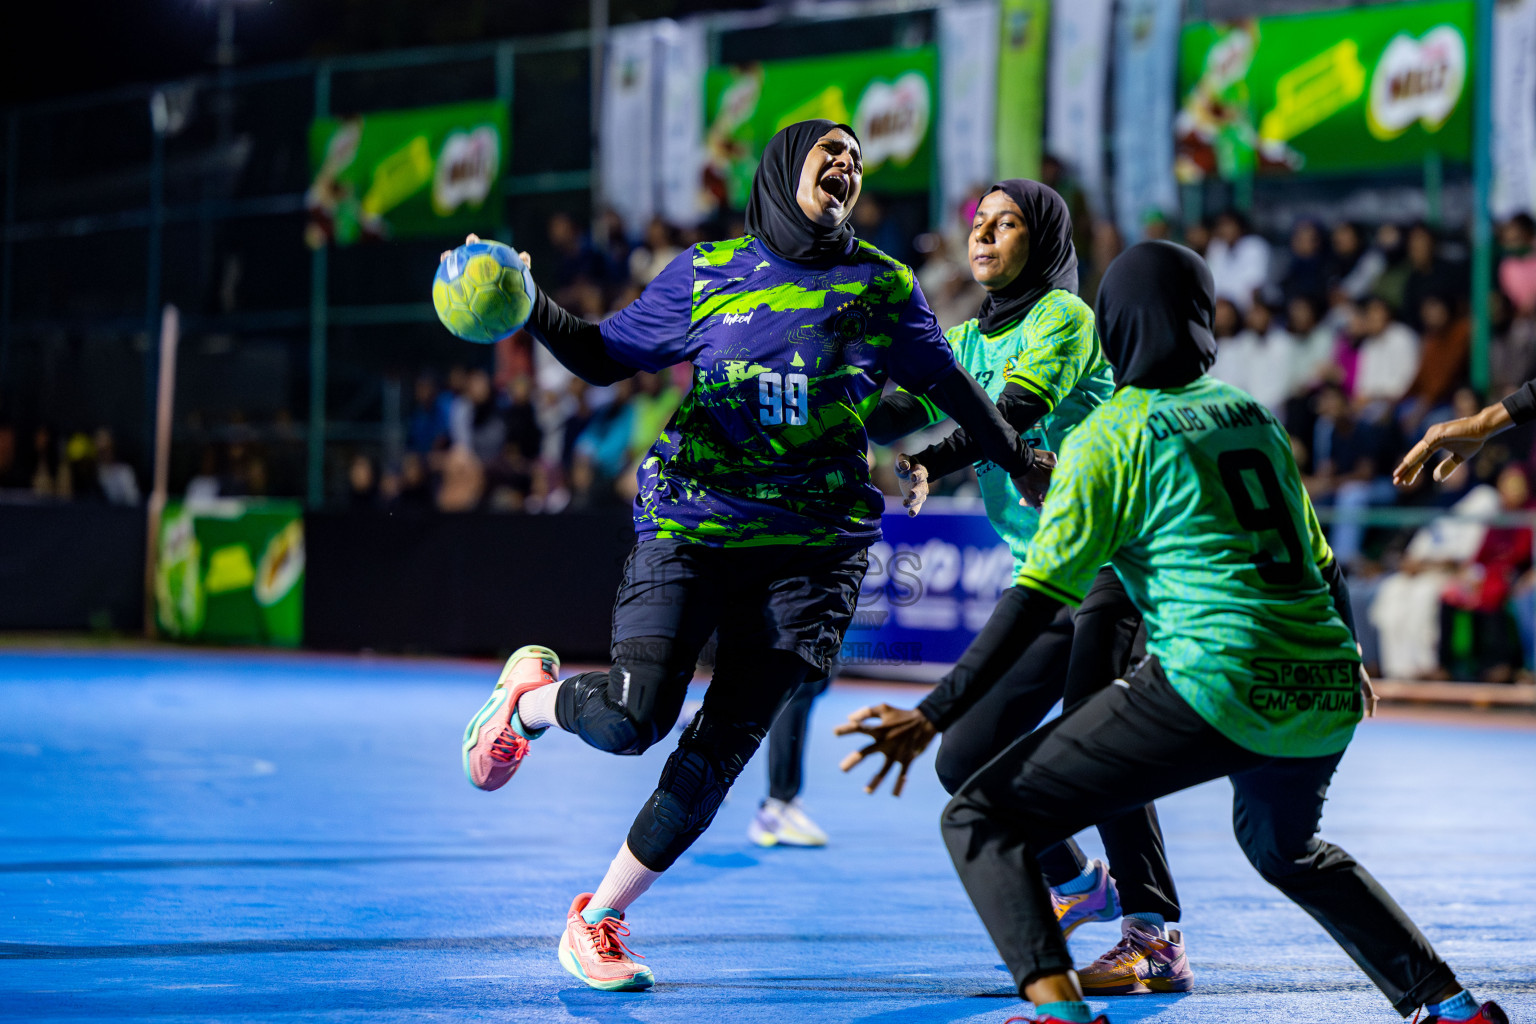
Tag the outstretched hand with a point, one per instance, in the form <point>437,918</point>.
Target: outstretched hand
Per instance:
<point>1462,438</point>
<point>899,733</point>
<point>913,478</point>
<point>527,261</point>
<point>1035,481</point>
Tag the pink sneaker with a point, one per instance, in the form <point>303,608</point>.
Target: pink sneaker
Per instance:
<point>596,953</point>
<point>493,746</point>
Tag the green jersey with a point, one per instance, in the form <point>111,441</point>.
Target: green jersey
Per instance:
<point>1054,353</point>
<point>1194,496</point>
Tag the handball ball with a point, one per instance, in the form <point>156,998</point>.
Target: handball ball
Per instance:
<point>482,292</point>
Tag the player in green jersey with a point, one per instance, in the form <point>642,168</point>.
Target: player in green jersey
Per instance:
<point>1035,349</point>
<point>1188,486</point>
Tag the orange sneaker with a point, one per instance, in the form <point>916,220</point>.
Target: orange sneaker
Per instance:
<point>494,745</point>
<point>1142,962</point>
<point>596,953</point>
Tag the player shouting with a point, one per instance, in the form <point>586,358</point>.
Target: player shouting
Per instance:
<point>754,510</point>
<point>1188,484</point>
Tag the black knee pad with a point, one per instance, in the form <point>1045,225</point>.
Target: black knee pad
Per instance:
<point>699,773</point>
<point>628,708</point>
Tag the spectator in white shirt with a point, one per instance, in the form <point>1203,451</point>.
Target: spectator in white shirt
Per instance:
<point>1388,361</point>
<point>1271,354</point>
<point>1315,344</point>
<point>1239,260</point>
<point>1234,353</point>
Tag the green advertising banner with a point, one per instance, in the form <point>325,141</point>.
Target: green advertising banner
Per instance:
<point>1361,88</point>
<point>232,572</point>
<point>427,171</point>
<point>1026,26</point>
<point>888,96</point>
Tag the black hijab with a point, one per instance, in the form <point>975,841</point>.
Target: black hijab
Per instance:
<point>774,216</point>
<point>1156,305</point>
<point>1052,262</point>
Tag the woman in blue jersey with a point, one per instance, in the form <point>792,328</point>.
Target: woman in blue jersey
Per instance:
<point>754,509</point>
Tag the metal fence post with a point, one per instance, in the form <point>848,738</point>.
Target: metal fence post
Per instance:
<point>7,266</point>
<point>152,269</point>
<point>598,22</point>
<point>505,70</point>
<point>318,324</point>
<point>1482,186</point>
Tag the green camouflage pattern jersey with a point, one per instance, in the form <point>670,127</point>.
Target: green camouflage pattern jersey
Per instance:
<point>769,446</point>
<point>1194,496</point>
<point>1054,353</point>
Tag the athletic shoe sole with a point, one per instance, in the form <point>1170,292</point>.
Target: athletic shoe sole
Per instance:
<point>499,697</point>
<point>1145,987</point>
<point>761,836</point>
<point>639,983</point>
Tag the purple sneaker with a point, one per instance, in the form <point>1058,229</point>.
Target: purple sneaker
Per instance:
<point>1101,903</point>
<point>1141,963</point>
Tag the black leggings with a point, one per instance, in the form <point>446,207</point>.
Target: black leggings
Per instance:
<point>780,612</point>
<point>786,741</point>
<point>1077,655</point>
<point>626,709</point>
<point>1013,707</point>
<point>1109,640</point>
<point>1121,749</point>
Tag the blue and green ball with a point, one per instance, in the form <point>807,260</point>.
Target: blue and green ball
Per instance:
<point>482,292</point>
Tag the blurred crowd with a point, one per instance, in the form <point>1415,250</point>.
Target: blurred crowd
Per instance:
<point>1358,337</point>
<point>1359,340</point>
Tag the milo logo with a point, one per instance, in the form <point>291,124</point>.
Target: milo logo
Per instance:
<point>1417,80</point>
<point>466,169</point>
<point>282,564</point>
<point>892,119</point>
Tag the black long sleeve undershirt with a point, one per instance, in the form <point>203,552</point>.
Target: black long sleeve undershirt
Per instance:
<point>1021,615</point>
<point>577,343</point>
<point>1521,405</point>
<point>1338,589</point>
<point>1019,406</point>
<point>895,416</point>
<point>962,399</point>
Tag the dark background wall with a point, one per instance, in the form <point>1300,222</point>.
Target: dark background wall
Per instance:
<point>71,566</point>
<point>463,584</point>
<point>439,584</point>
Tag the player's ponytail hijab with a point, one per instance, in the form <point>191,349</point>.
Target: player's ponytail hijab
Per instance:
<point>1052,262</point>
<point>1156,306</point>
<point>774,216</point>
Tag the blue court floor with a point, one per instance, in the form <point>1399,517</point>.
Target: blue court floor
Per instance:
<point>200,837</point>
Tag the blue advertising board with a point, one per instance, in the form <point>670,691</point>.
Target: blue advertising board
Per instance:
<point>933,580</point>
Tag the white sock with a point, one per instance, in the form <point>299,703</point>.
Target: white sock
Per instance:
<point>536,708</point>
<point>626,881</point>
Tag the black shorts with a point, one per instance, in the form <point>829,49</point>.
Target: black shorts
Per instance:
<point>777,597</point>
